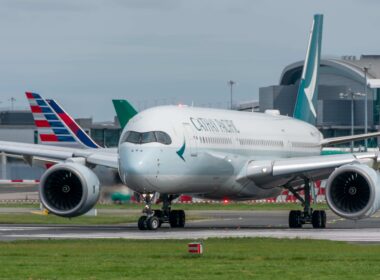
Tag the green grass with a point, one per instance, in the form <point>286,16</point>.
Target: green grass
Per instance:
<point>168,259</point>
<point>20,205</point>
<point>196,206</point>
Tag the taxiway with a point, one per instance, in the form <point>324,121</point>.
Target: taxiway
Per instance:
<point>211,224</point>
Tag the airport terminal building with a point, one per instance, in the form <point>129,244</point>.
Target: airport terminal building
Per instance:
<point>341,81</point>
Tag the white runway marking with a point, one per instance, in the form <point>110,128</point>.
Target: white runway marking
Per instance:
<point>350,235</point>
<point>20,228</point>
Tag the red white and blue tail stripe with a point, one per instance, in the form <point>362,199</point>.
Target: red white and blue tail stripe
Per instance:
<point>55,126</point>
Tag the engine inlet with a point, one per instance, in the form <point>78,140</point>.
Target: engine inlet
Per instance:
<point>63,189</point>
<point>350,192</point>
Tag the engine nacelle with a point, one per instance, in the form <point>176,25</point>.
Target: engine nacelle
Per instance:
<point>353,191</point>
<point>69,189</point>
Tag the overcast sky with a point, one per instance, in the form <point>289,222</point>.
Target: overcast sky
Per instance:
<point>84,53</point>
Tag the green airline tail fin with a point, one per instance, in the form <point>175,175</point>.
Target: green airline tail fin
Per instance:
<point>307,97</point>
<point>124,111</point>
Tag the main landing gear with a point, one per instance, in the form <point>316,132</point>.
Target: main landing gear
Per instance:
<point>298,218</point>
<point>152,219</point>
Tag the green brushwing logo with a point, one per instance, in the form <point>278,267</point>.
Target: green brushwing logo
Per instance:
<point>181,151</point>
<point>307,96</point>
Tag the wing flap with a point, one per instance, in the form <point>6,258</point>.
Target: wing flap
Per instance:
<point>317,167</point>
<point>302,165</point>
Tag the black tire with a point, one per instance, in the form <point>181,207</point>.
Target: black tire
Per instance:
<point>173,218</point>
<point>160,215</point>
<point>295,219</point>
<point>324,219</point>
<point>142,223</point>
<point>181,218</point>
<point>153,223</point>
<point>318,219</point>
<point>177,218</point>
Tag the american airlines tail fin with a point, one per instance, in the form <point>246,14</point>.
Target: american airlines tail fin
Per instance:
<point>124,111</point>
<point>307,97</point>
<point>55,126</point>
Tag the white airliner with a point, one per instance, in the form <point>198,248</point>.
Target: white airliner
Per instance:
<point>217,154</point>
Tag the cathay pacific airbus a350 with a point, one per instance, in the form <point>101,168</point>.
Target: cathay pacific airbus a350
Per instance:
<point>217,154</point>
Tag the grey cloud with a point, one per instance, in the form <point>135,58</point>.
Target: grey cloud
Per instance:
<point>47,5</point>
<point>90,51</point>
<point>148,4</point>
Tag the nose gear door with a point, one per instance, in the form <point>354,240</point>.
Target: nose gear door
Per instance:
<point>191,139</point>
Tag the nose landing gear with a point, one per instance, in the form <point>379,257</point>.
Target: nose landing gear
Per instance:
<point>298,218</point>
<point>153,219</point>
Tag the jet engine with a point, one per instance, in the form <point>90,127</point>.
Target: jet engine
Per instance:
<point>353,191</point>
<point>69,189</point>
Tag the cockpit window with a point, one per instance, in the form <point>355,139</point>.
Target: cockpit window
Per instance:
<point>133,137</point>
<point>147,137</point>
<point>163,137</point>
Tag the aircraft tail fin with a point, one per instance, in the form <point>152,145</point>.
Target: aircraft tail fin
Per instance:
<point>55,126</point>
<point>124,111</point>
<point>307,96</point>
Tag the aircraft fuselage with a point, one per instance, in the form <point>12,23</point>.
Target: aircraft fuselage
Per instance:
<point>208,149</point>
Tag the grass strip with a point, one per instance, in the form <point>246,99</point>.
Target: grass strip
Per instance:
<point>245,258</point>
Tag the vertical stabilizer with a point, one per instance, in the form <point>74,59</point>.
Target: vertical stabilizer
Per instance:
<point>55,126</point>
<point>307,97</point>
<point>124,111</point>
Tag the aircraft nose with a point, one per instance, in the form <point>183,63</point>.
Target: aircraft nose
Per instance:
<point>136,161</point>
<point>135,166</point>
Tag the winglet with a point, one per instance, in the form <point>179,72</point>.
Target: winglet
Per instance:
<point>307,97</point>
<point>124,111</point>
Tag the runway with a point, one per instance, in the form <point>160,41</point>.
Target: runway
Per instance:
<point>103,232</point>
<point>213,224</point>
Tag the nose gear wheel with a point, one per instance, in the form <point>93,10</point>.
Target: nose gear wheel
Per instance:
<point>153,219</point>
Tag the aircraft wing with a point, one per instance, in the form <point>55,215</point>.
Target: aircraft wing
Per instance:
<point>345,139</point>
<point>316,167</point>
<point>103,157</point>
